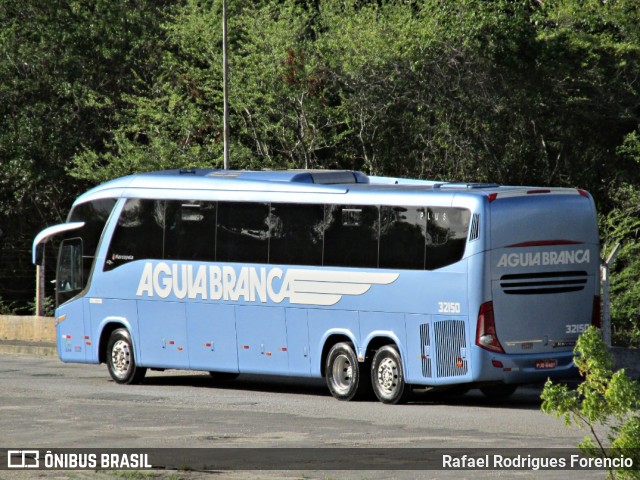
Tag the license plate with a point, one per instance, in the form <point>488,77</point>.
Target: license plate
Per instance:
<point>545,364</point>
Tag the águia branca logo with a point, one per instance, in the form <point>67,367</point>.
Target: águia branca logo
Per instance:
<point>255,284</point>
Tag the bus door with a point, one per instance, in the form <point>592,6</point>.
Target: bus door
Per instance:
<point>262,339</point>
<point>72,332</point>
<point>212,337</point>
<point>163,334</point>
<point>298,341</point>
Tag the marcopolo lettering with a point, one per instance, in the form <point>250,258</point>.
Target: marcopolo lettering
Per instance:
<point>255,284</point>
<point>534,259</point>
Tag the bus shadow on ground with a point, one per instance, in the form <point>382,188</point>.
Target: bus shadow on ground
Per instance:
<point>526,397</point>
<point>249,383</point>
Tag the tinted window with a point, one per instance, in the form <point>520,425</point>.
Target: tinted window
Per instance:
<point>139,233</point>
<point>243,232</point>
<point>402,237</point>
<point>190,232</point>
<point>296,234</point>
<point>94,215</point>
<point>447,229</point>
<point>351,236</point>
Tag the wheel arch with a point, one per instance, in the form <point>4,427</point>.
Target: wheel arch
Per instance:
<point>377,340</point>
<point>332,339</point>
<point>108,327</point>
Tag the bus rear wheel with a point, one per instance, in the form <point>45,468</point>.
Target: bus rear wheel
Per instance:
<point>344,375</point>
<point>387,376</point>
<point>120,359</point>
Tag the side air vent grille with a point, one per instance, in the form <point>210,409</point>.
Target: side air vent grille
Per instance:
<point>543,283</point>
<point>451,348</point>
<point>425,350</point>
<point>474,233</point>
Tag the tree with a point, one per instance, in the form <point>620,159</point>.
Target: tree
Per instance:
<point>603,398</point>
<point>515,92</point>
<point>63,68</point>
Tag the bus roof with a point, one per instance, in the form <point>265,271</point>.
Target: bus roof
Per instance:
<point>302,182</point>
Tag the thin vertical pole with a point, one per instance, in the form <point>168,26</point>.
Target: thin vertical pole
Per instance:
<point>605,274</point>
<point>225,84</point>
<point>40,293</point>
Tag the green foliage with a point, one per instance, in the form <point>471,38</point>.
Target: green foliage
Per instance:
<point>64,66</point>
<point>603,399</point>
<point>516,92</point>
<point>170,119</point>
<point>7,308</point>
<point>622,226</point>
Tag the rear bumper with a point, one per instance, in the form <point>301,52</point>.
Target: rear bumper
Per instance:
<point>521,369</point>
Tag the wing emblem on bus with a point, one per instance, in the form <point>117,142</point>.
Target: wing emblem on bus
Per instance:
<point>327,287</point>
<point>251,284</point>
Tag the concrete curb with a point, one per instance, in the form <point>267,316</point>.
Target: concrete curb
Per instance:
<point>15,347</point>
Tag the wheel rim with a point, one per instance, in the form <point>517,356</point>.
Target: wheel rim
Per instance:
<point>342,373</point>
<point>387,375</point>
<point>121,358</point>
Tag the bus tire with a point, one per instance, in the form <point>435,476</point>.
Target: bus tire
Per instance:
<point>343,373</point>
<point>387,376</point>
<point>121,360</point>
<point>499,392</point>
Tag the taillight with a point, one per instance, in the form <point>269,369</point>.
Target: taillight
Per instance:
<point>486,336</point>
<point>596,314</point>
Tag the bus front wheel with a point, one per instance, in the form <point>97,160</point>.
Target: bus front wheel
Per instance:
<point>387,376</point>
<point>120,359</point>
<point>343,373</point>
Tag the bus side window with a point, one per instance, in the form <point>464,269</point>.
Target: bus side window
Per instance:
<point>447,229</point>
<point>402,237</point>
<point>351,236</point>
<point>190,233</point>
<point>242,233</point>
<point>139,233</point>
<point>297,233</point>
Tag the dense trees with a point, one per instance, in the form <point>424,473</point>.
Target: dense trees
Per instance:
<point>64,67</point>
<point>519,92</point>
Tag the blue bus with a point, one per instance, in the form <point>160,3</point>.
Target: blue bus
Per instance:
<point>379,285</point>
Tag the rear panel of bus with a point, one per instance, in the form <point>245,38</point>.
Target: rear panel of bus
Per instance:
<point>543,285</point>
